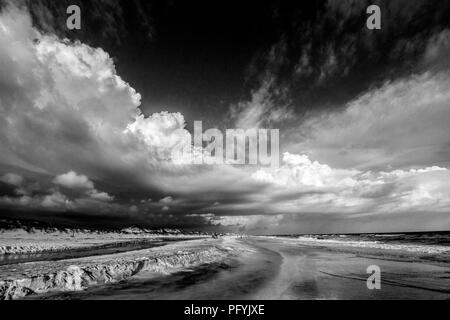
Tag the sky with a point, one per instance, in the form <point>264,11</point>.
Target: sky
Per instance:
<point>89,117</point>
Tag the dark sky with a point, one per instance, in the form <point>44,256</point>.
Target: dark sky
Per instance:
<point>363,114</point>
<point>181,56</point>
<point>198,57</point>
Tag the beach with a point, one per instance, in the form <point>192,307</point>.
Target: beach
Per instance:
<point>230,267</point>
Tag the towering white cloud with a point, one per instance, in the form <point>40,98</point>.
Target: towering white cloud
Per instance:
<point>65,108</point>
<point>160,132</point>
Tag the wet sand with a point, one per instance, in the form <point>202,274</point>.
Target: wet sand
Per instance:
<point>278,269</point>
<point>19,280</point>
<point>96,250</point>
<point>310,272</point>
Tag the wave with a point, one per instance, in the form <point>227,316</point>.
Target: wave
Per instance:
<point>408,247</point>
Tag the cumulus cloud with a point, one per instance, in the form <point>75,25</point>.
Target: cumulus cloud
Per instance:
<point>65,108</point>
<point>73,181</point>
<point>55,200</point>
<point>166,200</point>
<point>100,195</point>
<point>299,169</point>
<point>161,132</point>
<point>307,195</point>
<point>12,179</point>
<point>317,187</point>
<point>83,195</point>
<point>58,98</point>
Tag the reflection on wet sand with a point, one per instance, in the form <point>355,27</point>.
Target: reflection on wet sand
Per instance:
<point>279,269</point>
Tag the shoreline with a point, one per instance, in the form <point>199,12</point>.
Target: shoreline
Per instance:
<point>86,251</point>
<point>229,268</point>
<point>436,255</point>
<point>22,242</point>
